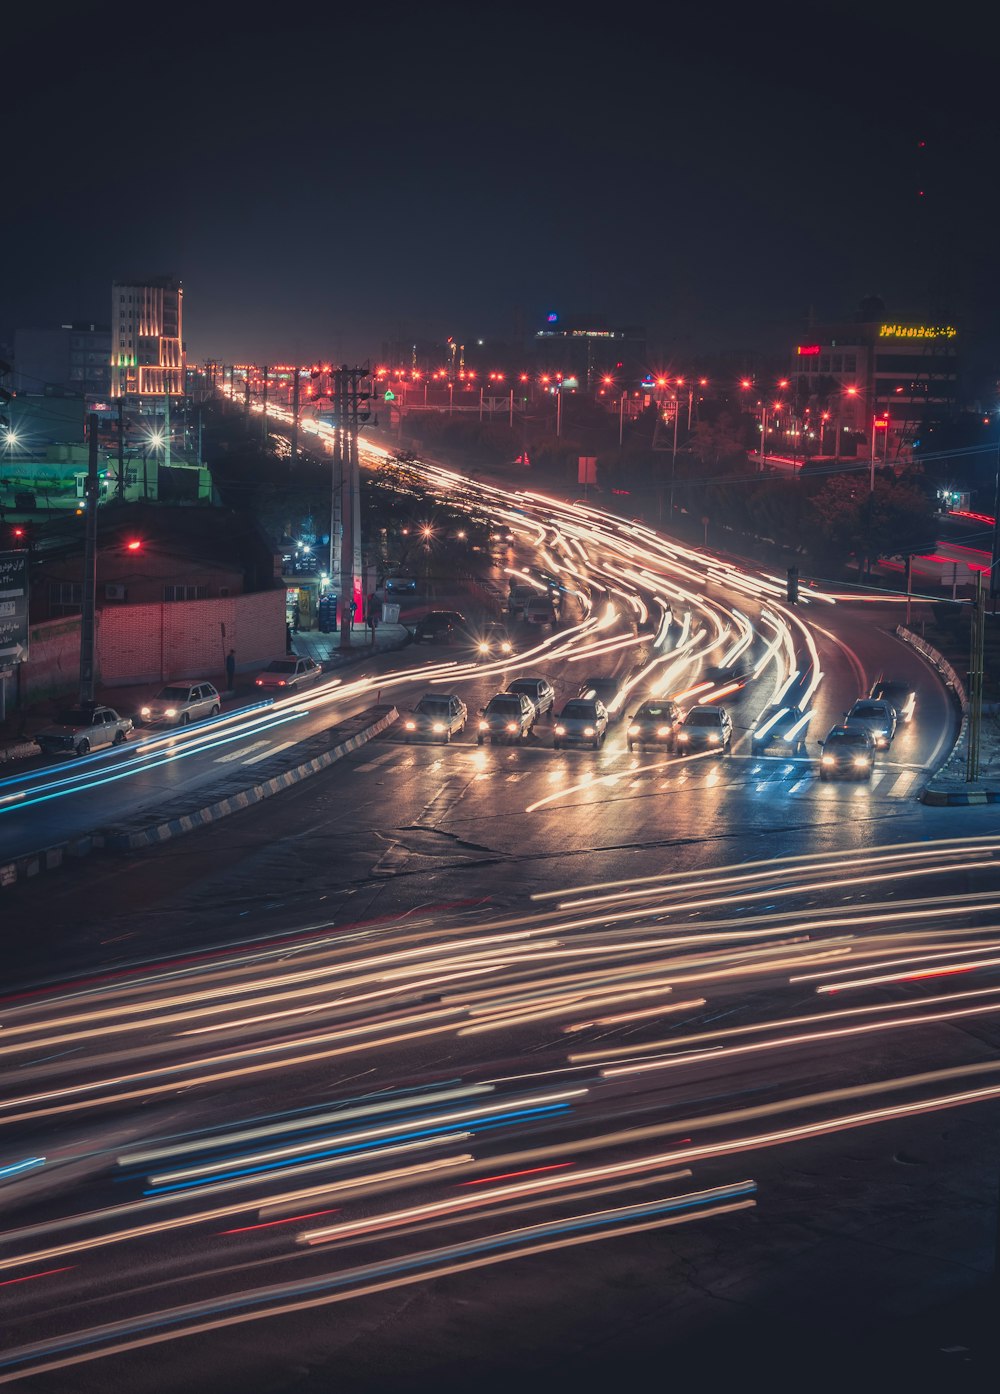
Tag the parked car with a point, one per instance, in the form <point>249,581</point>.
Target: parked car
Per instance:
<point>878,716</point>
<point>847,751</point>
<point>494,640</point>
<point>900,696</point>
<point>782,729</point>
<point>539,692</point>
<point>656,722</point>
<point>79,730</point>
<point>506,718</point>
<point>181,702</point>
<point>439,626</point>
<point>288,674</point>
<point>706,728</point>
<point>607,689</point>
<point>582,720</point>
<point>440,715</point>
<point>400,585</point>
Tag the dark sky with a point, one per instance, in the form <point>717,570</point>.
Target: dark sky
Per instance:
<point>325,180</point>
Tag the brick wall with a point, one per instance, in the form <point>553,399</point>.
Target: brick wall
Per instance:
<point>153,643</point>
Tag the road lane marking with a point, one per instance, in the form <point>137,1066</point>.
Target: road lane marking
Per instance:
<point>382,759</point>
<point>239,754</point>
<point>275,749</point>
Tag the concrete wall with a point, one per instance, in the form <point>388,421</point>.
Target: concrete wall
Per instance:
<point>153,643</point>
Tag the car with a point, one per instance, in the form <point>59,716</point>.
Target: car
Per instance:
<point>518,598</point>
<point>288,674</point>
<point>780,728</point>
<point>706,728</point>
<point>581,719</point>
<point>607,689</point>
<point>439,626</point>
<point>181,702</point>
<point>79,730</point>
<point>506,718</point>
<point>540,611</point>
<point>436,714</point>
<point>494,641</point>
<point>900,696</point>
<point>878,716</point>
<point>539,691</point>
<point>847,750</point>
<point>400,585</point>
<point>656,722</point>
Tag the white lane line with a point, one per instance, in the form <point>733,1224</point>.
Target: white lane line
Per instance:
<point>382,759</point>
<point>902,785</point>
<point>877,778</point>
<point>801,783</point>
<point>239,754</point>
<point>275,749</point>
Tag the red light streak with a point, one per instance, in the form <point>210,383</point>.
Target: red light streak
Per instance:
<point>30,1277</point>
<point>269,1224</point>
<point>509,1175</point>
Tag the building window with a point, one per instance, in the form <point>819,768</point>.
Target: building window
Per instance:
<point>837,363</point>
<point>850,362</point>
<point>65,598</point>
<point>185,592</point>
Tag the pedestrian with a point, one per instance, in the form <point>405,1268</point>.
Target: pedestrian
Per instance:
<point>288,638</point>
<point>295,618</point>
<point>372,623</point>
<point>354,611</point>
<point>230,668</point>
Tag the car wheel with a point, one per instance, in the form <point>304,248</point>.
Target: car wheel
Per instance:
<point>727,749</point>
<point>446,739</point>
<point>479,740</point>
<point>83,748</point>
<point>556,745</point>
<point>119,738</point>
<point>185,718</point>
<point>630,747</point>
<point>595,744</point>
<point>215,709</point>
<point>823,776</point>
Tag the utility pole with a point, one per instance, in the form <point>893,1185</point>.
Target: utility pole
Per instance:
<point>976,680</point>
<point>263,415</point>
<point>246,393</point>
<point>89,595</point>
<point>295,416</point>
<point>350,396</point>
<point>995,559</point>
<point>120,490</point>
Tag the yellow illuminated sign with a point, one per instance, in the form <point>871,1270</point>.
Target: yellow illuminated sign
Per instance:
<point>917,331</point>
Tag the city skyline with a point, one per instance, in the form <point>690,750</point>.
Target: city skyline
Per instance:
<point>715,188</point>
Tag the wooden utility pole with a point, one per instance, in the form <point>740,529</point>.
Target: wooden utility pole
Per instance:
<point>89,590</point>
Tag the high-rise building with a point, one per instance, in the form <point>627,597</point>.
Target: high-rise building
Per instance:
<point>147,347</point>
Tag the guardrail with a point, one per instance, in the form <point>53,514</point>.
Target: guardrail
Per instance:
<point>954,683</point>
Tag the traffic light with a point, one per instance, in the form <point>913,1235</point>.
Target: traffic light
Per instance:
<point>793,585</point>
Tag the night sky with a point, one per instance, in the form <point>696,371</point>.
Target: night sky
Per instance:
<point>324,180</point>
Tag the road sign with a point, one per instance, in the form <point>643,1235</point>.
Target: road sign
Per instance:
<point>13,608</point>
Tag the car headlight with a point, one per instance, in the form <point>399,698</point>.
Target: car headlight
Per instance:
<point>506,646</point>
<point>862,761</point>
<point>170,711</point>
<point>560,730</point>
<point>683,736</point>
<point>828,760</point>
<point>663,730</point>
<point>146,711</point>
<point>633,730</point>
<point>438,726</point>
<point>511,725</point>
<point>713,738</point>
<point>588,730</point>
<point>484,647</point>
<point>411,725</point>
<point>484,726</point>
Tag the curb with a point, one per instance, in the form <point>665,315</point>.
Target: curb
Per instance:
<point>957,798</point>
<point>31,864</point>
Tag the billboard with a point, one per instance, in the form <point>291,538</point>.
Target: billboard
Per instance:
<point>13,608</point>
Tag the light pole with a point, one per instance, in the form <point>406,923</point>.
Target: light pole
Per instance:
<point>558,391</point>
<point>762,458</point>
<point>621,420</point>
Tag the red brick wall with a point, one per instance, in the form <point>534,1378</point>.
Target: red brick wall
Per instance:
<point>153,643</point>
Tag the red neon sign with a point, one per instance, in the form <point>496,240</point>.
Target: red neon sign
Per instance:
<point>807,350</point>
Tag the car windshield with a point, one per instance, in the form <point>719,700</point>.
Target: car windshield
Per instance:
<point>524,685</point>
<point>173,694</point>
<point>75,716</point>
<point>703,716</point>
<point>867,709</point>
<point>583,710</point>
<point>845,738</point>
<point>281,665</point>
<point>654,712</point>
<point>504,705</point>
<point>433,706</point>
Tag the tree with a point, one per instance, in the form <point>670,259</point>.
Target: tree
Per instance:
<point>895,519</point>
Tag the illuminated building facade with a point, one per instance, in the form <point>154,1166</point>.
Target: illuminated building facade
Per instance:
<point>591,350</point>
<point>147,346</point>
<point>880,378</point>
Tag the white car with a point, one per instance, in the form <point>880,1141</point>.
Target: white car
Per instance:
<point>876,716</point>
<point>80,730</point>
<point>288,674</point>
<point>582,721</point>
<point>539,692</point>
<point>705,728</point>
<point>437,716</point>
<point>181,702</point>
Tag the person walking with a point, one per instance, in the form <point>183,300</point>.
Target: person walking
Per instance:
<point>230,668</point>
